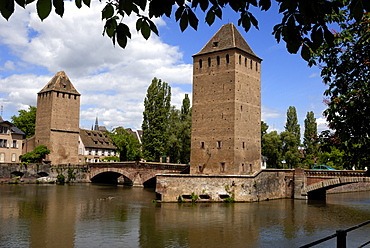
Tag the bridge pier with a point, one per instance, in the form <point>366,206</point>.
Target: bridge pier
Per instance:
<point>137,181</point>
<point>299,183</point>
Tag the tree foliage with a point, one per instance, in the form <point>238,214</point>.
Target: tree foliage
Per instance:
<point>310,141</point>
<point>272,149</point>
<point>304,24</point>
<point>36,156</point>
<point>346,71</point>
<point>26,121</point>
<point>128,146</point>
<point>157,106</point>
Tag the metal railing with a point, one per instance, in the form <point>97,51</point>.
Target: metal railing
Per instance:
<point>341,237</point>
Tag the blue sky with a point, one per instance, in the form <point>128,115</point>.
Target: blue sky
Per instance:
<point>113,82</point>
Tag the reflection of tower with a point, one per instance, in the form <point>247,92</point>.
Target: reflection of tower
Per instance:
<point>226,110</point>
<point>57,119</point>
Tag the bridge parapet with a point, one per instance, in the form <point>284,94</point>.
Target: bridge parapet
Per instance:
<point>335,173</point>
<point>141,165</point>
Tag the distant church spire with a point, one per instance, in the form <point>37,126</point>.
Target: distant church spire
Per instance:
<point>96,127</point>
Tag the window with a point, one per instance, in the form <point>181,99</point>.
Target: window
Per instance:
<point>245,62</point>
<point>243,145</point>
<point>3,143</point>
<point>256,66</point>
<point>14,145</point>
<point>243,168</point>
<point>202,144</point>
<point>209,62</point>
<point>222,167</point>
<point>218,144</point>
<point>227,59</point>
<point>13,157</point>
<point>3,129</point>
<point>240,59</point>
<point>218,60</point>
<point>215,44</point>
<point>200,63</point>
<point>251,64</point>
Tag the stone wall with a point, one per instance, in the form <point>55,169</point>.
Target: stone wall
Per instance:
<point>265,185</point>
<point>350,188</point>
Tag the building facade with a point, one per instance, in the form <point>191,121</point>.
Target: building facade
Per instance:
<point>11,139</point>
<point>57,119</point>
<point>226,109</point>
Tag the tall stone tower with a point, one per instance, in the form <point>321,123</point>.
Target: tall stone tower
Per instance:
<point>226,110</point>
<point>57,119</point>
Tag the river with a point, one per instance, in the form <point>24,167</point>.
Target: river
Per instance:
<point>89,215</point>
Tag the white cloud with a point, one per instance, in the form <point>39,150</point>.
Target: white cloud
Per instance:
<point>322,124</point>
<point>112,81</point>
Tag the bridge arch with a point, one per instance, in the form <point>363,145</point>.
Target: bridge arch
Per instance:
<point>317,191</point>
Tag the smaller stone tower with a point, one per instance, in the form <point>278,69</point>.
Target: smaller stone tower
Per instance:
<point>57,119</point>
<point>226,110</point>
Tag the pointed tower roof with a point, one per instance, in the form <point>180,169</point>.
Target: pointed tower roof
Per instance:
<point>61,83</point>
<point>227,37</point>
<point>96,127</point>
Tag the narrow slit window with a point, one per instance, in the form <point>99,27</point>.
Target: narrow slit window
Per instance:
<point>209,62</point>
<point>218,144</point>
<point>202,144</point>
<point>218,60</point>
<point>222,167</point>
<point>227,58</point>
<point>200,63</point>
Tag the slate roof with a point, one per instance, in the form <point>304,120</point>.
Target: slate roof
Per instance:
<point>96,139</point>
<point>13,128</point>
<point>61,83</point>
<point>227,37</point>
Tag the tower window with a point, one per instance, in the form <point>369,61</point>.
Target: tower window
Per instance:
<point>245,62</point>
<point>209,62</point>
<point>251,64</point>
<point>222,167</point>
<point>215,44</point>
<point>227,59</point>
<point>240,59</point>
<point>256,66</point>
<point>202,144</point>
<point>200,63</point>
<point>218,60</point>
<point>218,144</point>
<point>243,145</point>
<point>243,168</point>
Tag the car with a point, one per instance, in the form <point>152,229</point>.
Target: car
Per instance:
<point>322,167</point>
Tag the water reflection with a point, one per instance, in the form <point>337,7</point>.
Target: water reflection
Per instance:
<point>115,216</point>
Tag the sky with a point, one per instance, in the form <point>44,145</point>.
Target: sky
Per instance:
<point>113,81</point>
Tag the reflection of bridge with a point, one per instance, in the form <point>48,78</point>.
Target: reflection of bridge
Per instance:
<point>313,184</point>
<point>136,174</point>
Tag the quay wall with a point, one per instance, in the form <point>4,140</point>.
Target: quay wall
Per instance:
<point>264,185</point>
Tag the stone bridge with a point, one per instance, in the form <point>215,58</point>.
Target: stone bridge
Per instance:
<point>313,184</point>
<point>133,173</point>
<point>137,174</point>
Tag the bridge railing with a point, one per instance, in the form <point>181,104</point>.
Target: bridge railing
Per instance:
<point>335,173</point>
<point>341,237</point>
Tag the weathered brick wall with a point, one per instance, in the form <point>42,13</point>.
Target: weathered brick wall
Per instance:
<point>270,184</point>
<point>363,186</point>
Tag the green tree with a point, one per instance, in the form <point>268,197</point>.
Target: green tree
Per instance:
<point>185,130</point>
<point>157,106</point>
<point>272,149</point>
<point>26,121</point>
<point>36,156</point>
<point>304,24</point>
<point>346,71</point>
<point>291,138</point>
<point>128,146</point>
<point>179,133</point>
<point>310,141</point>
<point>264,128</point>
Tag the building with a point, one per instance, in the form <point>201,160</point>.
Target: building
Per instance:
<point>58,119</point>
<point>226,110</point>
<point>11,139</point>
<point>94,146</point>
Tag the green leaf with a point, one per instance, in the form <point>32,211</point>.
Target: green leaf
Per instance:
<point>43,8</point>
<point>218,12</point>
<point>265,4</point>
<point>253,20</point>
<point>141,4</point>
<point>204,5</point>
<point>122,32</point>
<point>210,17</point>
<point>59,7</point>
<point>110,27</point>
<point>305,52</point>
<point>179,13</point>
<point>87,2</point>
<point>153,27</point>
<point>145,30</point>
<point>108,11</point>
<point>21,3</point>
<point>6,8</point>
<point>356,9</point>
<point>139,23</point>
<point>184,21</point>
<point>78,3</point>
<point>193,20</point>
<point>329,37</point>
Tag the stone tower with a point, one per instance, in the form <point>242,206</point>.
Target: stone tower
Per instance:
<point>57,119</point>
<point>226,110</point>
